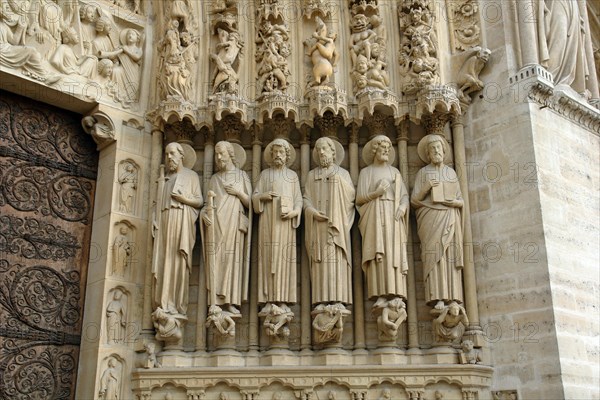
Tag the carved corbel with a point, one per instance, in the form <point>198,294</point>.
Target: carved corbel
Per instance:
<point>101,127</point>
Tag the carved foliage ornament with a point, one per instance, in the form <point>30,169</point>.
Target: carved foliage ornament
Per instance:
<point>464,23</point>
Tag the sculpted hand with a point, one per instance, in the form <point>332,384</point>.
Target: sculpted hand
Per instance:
<point>452,203</point>
<point>381,188</point>
<point>230,189</point>
<point>268,196</point>
<point>291,214</point>
<point>179,197</point>
<point>206,219</point>
<point>399,213</point>
<point>320,216</point>
<point>433,183</point>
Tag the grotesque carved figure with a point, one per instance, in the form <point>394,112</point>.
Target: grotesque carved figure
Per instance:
<point>323,55</point>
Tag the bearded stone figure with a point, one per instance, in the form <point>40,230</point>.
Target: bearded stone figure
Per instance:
<point>438,201</point>
<point>179,198</point>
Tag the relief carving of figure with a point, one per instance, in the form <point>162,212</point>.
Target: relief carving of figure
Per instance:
<point>110,382</point>
<point>151,360</point>
<point>278,201</point>
<point>116,318</point>
<point>382,202</point>
<point>438,201</point>
<point>329,215</point>
<point>13,51</point>
<point>367,52</point>
<point>67,62</point>
<point>222,320</point>
<point>177,57</point>
<point>88,15</point>
<point>178,201</point>
<point>469,354</point>
<point>226,59</point>
<point>328,323</point>
<point>561,34</point>
<point>225,226</point>
<point>322,52</point>
<point>450,325</point>
<point>122,251</point>
<point>128,180</point>
<point>276,320</point>
<point>130,55</point>
<point>271,57</point>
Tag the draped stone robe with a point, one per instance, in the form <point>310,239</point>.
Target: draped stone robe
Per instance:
<point>440,230</point>
<point>232,227</point>
<point>176,234</point>
<point>276,236</point>
<point>381,233</point>
<point>328,242</point>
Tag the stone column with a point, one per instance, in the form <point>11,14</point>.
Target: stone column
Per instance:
<point>253,322</point>
<point>305,302</point>
<point>470,284</point>
<point>526,22</point>
<point>411,307</point>
<point>357,274</point>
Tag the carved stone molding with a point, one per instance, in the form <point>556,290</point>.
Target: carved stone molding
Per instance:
<point>464,24</point>
<point>322,100</point>
<point>437,99</point>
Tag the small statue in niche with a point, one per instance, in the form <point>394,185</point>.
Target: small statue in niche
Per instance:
<point>222,320</point>
<point>116,318</point>
<point>328,322</point>
<point>122,251</point>
<point>469,354</point>
<point>128,179</point>
<point>226,58</point>
<point>390,315</point>
<point>322,52</point>
<point>110,382</point>
<point>277,318</point>
<point>450,325</point>
<point>386,394</point>
<point>151,360</point>
<point>468,76</point>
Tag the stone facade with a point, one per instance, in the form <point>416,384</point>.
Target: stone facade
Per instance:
<point>515,108</point>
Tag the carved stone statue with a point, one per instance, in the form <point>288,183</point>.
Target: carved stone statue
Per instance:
<point>226,59</point>
<point>178,200</point>
<point>151,361</point>
<point>100,131</point>
<point>329,215</point>
<point>176,60</point>
<point>116,318</point>
<point>121,252</point>
<point>67,62</point>
<point>468,76</point>
<point>276,320</point>
<point>438,201</point>
<point>278,201</point>
<point>450,325</point>
<point>110,382</point>
<point>382,202</point>
<point>130,55</point>
<point>390,315</point>
<point>322,52</point>
<point>222,320</point>
<point>561,44</point>
<point>273,49</point>
<point>328,323</point>
<point>128,179</point>
<point>226,229</point>
<point>469,354</point>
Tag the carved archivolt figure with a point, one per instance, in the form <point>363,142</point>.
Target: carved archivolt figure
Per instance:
<point>382,202</point>
<point>178,200</point>
<point>561,34</point>
<point>390,315</point>
<point>438,201</point>
<point>329,215</point>
<point>271,57</point>
<point>175,63</point>
<point>323,55</point>
<point>122,251</point>
<point>116,318</point>
<point>468,76</point>
<point>451,323</point>
<point>128,180</point>
<point>278,201</point>
<point>110,382</point>
<point>225,227</point>
<point>226,59</point>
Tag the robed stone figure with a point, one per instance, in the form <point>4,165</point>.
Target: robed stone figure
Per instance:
<point>438,202</point>
<point>225,228</point>
<point>382,202</point>
<point>329,214</point>
<point>278,201</point>
<point>178,203</point>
